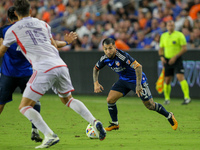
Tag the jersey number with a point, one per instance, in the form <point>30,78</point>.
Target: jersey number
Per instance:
<point>37,36</point>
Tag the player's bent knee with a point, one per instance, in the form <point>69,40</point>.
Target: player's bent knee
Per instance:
<point>66,99</point>
<point>150,106</point>
<point>111,101</point>
<point>26,102</point>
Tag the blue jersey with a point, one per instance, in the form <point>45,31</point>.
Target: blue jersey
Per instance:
<point>121,64</point>
<point>14,63</point>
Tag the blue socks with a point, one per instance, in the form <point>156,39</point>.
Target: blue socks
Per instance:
<point>161,110</point>
<point>112,108</point>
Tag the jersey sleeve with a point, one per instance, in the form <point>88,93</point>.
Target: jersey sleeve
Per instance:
<point>182,39</point>
<point>100,64</point>
<point>49,30</point>
<point>9,38</point>
<point>131,61</point>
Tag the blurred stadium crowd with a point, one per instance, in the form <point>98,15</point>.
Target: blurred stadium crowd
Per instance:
<point>134,24</point>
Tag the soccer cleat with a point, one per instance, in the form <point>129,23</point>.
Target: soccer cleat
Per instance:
<point>36,137</point>
<point>112,126</point>
<point>99,127</point>
<point>49,141</point>
<point>186,101</point>
<point>173,122</point>
<point>166,102</point>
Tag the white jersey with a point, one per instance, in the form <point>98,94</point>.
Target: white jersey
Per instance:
<point>33,37</point>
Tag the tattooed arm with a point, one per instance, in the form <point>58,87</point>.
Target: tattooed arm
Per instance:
<point>97,87</point>
<point>138,71</point>
<point>138,88</point>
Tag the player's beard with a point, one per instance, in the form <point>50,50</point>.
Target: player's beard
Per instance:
<point>111,56</point>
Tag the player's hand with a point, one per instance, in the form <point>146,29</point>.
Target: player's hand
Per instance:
<point>139,90</point>
<point>172,60</point>
<point>70,37</point>
<point>98,88</point>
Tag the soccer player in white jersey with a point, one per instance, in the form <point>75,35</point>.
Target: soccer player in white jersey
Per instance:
<point>36,42</point>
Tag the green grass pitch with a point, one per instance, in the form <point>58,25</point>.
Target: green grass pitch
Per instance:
<point>140,129</point>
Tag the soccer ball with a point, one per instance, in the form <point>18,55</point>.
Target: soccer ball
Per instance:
<point>91,132</point>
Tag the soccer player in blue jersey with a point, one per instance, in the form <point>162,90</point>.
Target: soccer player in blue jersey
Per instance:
<point>15,72</point>
<point>131,77</point>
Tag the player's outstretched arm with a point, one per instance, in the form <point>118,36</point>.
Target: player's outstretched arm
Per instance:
<point>97,87</point>
<point>3,50</point>
<point>69,38</point>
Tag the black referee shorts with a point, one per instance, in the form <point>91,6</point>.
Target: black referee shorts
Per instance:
<point>175,68</point>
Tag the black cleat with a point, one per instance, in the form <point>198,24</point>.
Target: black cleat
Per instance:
<point>36,137</point>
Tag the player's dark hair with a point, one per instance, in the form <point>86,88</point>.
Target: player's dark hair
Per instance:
<point>108,41</point>
<point>22,7</point>
<point>11,14</point>
<point>173,2</point>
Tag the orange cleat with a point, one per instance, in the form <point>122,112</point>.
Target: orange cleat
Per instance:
<point>112,126</point>
<point>173,122</point>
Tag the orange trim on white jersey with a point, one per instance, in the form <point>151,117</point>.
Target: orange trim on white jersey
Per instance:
<point>70,101</point>
<point>48,30</point>
<point>25,109</point>
<point>35,91</point>
<point>66,92</point>
<point>19,43</point>
<point>32,77</point>
<point>55,67</point>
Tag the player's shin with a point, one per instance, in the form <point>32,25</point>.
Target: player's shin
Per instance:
<point>112,108</point>
<point>36,119</point>
<point>81,109</point>
<point>37,108</point>
<point>161,110</point>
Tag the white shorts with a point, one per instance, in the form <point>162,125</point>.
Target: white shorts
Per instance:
<point>40,82</point>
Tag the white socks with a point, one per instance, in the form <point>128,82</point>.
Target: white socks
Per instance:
<point>36,119</point>
<point>170,115</point>
<point>115,122</point>
<point>81,109</point>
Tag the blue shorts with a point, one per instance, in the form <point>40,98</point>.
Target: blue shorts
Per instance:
<point>8,86</point>
<point>124,87</point>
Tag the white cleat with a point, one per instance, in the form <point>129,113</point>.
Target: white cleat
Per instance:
<point>166,102</point>
<point>99,127</point>
<point>186,101</point>
<point>49,141</point>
